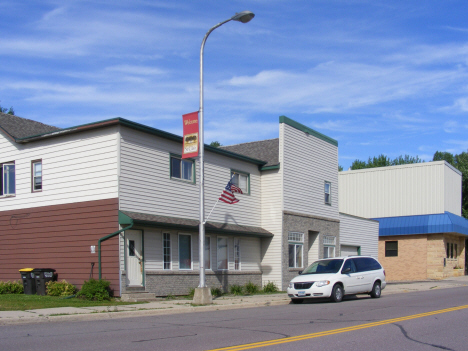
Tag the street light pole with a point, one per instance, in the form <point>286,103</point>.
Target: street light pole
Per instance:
<point>202,293</point>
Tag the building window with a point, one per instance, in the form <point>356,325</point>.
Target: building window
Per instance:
<point>329,243</point>
<point>241,180</point>
<point>182,169</point>
<point>131,248</point>
<point>391,248</point>
<point>185,251</point>
<point>328,193</point>
<point>452,250</point>
<point>207,252</point>
<point>36,169</point>
<point>222,253</point>
<point>166,251</point>
<point>236,254</point>
<point>296,249</point>
<point>8,181</point>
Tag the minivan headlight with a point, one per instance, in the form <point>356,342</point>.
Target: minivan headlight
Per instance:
<point>291,285</point>
<point>322,283</point>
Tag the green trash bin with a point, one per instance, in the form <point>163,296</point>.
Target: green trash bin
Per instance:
<point>29,283</point>
<point>42,276</point>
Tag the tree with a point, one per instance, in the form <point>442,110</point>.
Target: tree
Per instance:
<point>460,162</point>
<point>215,144</point>
<point>384,161</point>
<point>9,111</point>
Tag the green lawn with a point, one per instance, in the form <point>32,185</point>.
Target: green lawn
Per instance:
<point>20,302</point>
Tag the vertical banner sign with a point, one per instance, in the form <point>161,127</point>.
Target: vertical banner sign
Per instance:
<point>190,143</point>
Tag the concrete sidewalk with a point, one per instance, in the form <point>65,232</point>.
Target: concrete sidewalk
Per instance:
<point>184,306</point>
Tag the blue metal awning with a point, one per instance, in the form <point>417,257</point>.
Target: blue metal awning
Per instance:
<point>424,224</point>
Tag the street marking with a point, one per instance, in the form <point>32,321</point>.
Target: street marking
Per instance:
<point>335,331</point>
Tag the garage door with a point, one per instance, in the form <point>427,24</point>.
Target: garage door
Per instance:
<point>348,250</point>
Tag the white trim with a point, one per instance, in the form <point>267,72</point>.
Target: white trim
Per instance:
<point>191,252</point>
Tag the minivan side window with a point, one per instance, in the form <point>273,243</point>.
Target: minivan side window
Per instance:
<point>364,264</point>
<point>349,264</point>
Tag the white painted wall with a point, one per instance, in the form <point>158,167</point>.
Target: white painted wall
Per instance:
<point>308,162</point>
<point>75,168</point>
<point>362,232</point>
<point>415,189</point>
<point>146,186</point>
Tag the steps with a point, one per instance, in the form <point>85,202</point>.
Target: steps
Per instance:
<point>138,294</point>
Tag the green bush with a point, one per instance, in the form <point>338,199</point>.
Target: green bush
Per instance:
<point>14,287</point>
<point>235,289</point>
<point>251,288</point>
<point>191,293</point>
<point>216,292</point>
<point>97,290</point>
<point>270,287</point>
<point>62,288</point>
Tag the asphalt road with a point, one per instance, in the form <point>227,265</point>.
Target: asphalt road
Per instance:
<point>425,320</point>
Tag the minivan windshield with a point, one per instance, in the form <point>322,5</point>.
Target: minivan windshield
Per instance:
<point>324,266</point>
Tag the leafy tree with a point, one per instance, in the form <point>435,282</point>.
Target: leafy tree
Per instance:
<point>460,162</point>
<point>384,161</point>
<point>9,111</point>
<point>340,168</point>
<point>215,144</point>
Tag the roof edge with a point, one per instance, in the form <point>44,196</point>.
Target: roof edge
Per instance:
<point>303,128</point>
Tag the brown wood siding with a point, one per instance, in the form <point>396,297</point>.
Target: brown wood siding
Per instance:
<point>60,237</point>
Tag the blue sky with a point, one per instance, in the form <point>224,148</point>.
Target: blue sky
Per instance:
<point>381,77</point>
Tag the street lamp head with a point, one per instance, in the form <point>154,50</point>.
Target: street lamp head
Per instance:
<point>244,16</point>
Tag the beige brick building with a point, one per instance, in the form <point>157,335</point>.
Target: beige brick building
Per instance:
<point>421,232</point>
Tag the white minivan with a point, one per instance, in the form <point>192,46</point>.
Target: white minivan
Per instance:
<point>338,276</point>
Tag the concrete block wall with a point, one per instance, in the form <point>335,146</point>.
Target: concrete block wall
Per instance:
<point>180,283</point>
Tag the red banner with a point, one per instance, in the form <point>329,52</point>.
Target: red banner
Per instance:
<point>190,143</point>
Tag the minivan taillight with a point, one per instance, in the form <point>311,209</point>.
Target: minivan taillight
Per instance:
<point>384,273</point>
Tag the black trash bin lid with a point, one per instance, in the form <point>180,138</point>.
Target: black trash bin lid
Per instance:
<point>44,270</point>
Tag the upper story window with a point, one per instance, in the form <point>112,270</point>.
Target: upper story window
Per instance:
<point>36,169</point>
<point>8,179</point>
<point>241,180</point>
<point>328,193</point>
<point>182,169</point>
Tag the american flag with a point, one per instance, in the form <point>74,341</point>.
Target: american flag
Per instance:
<point>227,196</point>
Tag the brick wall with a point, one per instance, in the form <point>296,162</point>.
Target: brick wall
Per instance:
<point>411,262</point>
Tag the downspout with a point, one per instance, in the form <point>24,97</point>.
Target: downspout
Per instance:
<point>123,219</point>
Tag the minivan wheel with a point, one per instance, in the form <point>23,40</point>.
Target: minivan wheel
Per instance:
<point>337,293</point>
<point>376,290</point>
<point>296,301</point>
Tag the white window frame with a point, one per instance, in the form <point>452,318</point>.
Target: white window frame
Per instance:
<point>236,176</point>
<point>163,252</point>
<point>217,253</point>
<point>207,248</point>
<point>237,254</point>
<point>4,183</point>
<point>296,240</point>
<point>182,161</point>
<point>329,246</point>
<point>33,175</point>
<point>191,252</point>
<point>328,200</point>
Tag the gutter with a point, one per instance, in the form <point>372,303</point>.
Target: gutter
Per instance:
<point>123,219</point>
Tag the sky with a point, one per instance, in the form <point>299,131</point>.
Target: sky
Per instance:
<point>380,77</point>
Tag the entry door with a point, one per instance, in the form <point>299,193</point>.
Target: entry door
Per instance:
<point>134,257</point>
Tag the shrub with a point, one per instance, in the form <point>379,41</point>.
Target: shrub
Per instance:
<point>62,288</point>
<point>14,287</point>
<point>270,287</point>
<point>191,293</point>
<point>235,289</point>
<point>251,288</point>
<point>97,290</point>
<point>216,292</point>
